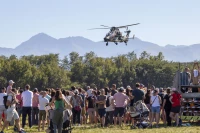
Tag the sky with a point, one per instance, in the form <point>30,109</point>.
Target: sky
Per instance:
<point>175,22</point>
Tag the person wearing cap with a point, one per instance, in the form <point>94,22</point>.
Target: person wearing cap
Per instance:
<point>35,109</point>
<point>76,102</point>
<point>175,99</point>
<point>9,88</point>
<point>120,100</point>
<point>155,102</point>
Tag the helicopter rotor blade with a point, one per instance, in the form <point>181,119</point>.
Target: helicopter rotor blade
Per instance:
<point>105,26</point>
<point>127,25</point>
<point>98,28</point>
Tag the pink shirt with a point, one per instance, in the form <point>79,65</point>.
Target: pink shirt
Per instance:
<point>35,100</point>
<point>19,98</point>
<point>120,99</point>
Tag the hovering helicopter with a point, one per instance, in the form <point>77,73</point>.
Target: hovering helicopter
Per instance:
<point>114,35</point>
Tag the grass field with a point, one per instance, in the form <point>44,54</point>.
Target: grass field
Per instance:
<point>125,129</point>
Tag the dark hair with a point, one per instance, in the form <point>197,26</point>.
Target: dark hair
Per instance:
<point>53,93</point>
<point>21,91</point>
<point>14,90</point>
<point>168,90</point>
<point>95,93</point>
<point>58,95</point>
<point>79,90</point>
<point>137,85</point>
<point>3,88</point>
<point>148,91</point>
<point>27,87</point>
<point>67,93</point>
<point>64,92</point>
<point>98,93</point>
<point>73,88</point>
<point>106,90</point>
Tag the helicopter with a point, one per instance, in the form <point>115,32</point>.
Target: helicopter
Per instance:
<point>114,35</point>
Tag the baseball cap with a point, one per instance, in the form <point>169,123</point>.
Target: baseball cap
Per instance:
<point>76,91</point>
<point>11,82</point>
<point>121,88</point>
<point>161,90</point>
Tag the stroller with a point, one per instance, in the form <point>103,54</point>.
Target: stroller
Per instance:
<point>140,113</point>
<point>67,128</point>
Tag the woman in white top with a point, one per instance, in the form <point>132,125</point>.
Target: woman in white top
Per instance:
<point>155,102</point>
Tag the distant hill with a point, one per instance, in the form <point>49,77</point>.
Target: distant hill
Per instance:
<point>44,44</point>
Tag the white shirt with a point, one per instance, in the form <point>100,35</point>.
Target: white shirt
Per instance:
<point>27,97</point>
<point>43,101</point>
<point>1,98</point>
<point>68,98</point>
<point>111,107</point>
<point>155,102</point>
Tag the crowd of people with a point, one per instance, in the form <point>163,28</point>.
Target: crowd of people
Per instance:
<point>107,106</point>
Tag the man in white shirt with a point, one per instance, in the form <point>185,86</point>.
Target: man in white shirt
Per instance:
<point>43,101</point>
<point>11,111</point>
<point>27,98</point>
<point>2,107</point>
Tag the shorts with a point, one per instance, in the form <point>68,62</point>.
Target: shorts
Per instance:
<point>119,110</point>
<point>155,109</point>
<point>11,114</point>
<point>91,111</point>
<point>175,109</point>
<point>42,115</point>
<point>2,110</point>
<point>102,112</point>
<point>83,111</point>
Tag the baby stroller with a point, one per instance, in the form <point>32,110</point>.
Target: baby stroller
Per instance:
<point>140,113</point>
<point>67,128</point>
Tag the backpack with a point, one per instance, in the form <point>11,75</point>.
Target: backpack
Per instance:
<point>5,98</point>
<point>108,102</point>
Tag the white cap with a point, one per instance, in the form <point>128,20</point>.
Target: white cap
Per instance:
<point>11,82</point>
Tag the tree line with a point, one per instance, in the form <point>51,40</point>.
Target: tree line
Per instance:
<point>48,71</point>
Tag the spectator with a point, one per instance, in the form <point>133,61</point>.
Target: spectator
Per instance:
<point>155,108</point>
<point>68,97</point>
<point>83,112</point>
<point>48,94</point>
<point>120,100</point>
<point>137,93</point>
<point>175,99</point>
<point>76,101</point>
<point>109,109</point>
<point>91,108</point>
<point>59,108</point>
<point>161,94</point>
<point>11,111</point>
<point>20,102</point>
<point>89,91</point>
<point>2,107</point>
<point>101,101</point>
<point>9,88</point>
<point>147,100</point>
<point>43,101</point>
<point>113,91</point>
<point>27,98</point>
<point>167,107</point>
<point>35,105</point>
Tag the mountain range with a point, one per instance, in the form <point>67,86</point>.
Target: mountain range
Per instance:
<point>42,43</point>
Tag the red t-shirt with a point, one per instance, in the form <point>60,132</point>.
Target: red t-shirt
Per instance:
<point>176,99</point>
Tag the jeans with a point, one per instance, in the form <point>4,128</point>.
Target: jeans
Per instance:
<point>76,116</point>
<point>167,111</point>
<point>35,112</point>
<point>109,117</point>
<point>58,121</point>
<point>26,111</point>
